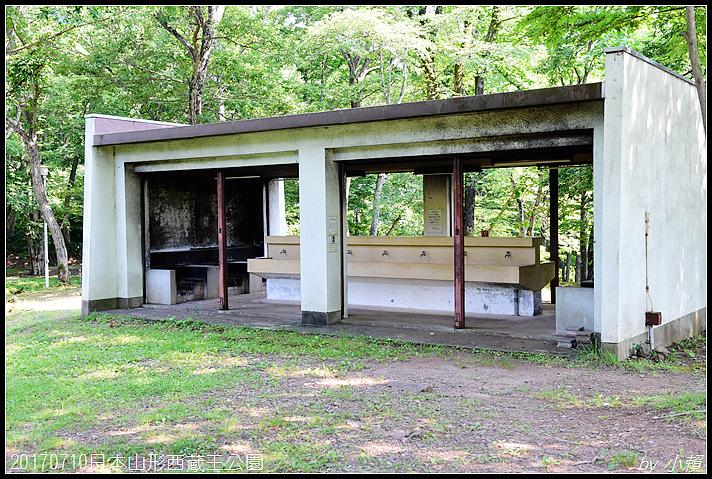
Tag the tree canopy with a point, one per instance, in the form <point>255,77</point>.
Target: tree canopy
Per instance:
<point>197,64</point>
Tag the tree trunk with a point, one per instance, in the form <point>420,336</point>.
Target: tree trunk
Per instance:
<point>583,235</point>
<point>691,37</point>
<point>470,199</point>
<point>520,207</point>
<point>577,276</point>
<point>67,201</point>
<point>567,277</point>
<point>10,220</point>
<point>205,28</point>
<point>29,138</point>
<point>46,211</point>
<point>590,254</point>
<point>427,61</point>
<point>377,203</point>
<point>539,195</point>
<point>36,262</point>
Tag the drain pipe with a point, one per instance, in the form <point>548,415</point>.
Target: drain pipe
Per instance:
<point>651,318</point>
<point>647,286</point>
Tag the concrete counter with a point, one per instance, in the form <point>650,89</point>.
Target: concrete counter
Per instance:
<point>502,275</point>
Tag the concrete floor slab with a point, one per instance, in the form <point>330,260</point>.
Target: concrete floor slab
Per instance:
<point>535,334</point>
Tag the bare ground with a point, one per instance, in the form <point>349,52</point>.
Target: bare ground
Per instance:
<point>458,412</point>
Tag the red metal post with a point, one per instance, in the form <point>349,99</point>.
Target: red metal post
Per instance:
<point>459,240</point>
<point>222,241</point>
<point>554,225</point>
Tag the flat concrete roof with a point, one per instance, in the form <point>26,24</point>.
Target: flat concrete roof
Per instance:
<point>449,106</point>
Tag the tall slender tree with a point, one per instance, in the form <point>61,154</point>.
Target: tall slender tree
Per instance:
<point>202,25</point>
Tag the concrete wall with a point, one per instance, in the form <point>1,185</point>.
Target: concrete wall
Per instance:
<point>654,161</point>
<point>183,211</point>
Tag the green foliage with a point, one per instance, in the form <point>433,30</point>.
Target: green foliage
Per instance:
<point>401,212</point>
<point>68,61</point>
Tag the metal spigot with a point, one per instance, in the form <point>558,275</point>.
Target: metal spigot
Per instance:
<point>348,251</point>
<point>385,253</point>
<point>422,254</point>
<point>508,254</point>
<point>284,251</point>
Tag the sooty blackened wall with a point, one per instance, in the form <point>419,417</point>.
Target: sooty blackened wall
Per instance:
<point>183,213</point>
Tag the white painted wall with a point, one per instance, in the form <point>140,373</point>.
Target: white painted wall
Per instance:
<point>654,161</point>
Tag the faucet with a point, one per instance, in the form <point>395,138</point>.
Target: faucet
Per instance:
<point>284,251</point>
<point>385,253</point>
<point>508,254</point>
<point>422,254</point>
<point>348,251</point>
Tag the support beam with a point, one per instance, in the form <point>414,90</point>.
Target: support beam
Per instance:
<point>554,226</point>
<point>222,242</point>
<point>459,240</point>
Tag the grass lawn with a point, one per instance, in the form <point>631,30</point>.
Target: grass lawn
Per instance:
<point>99,392</point>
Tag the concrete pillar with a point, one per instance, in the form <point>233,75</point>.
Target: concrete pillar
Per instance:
<point>321,236</point>
<point>437,201</point>
<point>277,208</point>
<point>129,248</point>
<point>99,269</point>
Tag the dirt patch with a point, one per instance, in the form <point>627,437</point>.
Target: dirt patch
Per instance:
<point>441,414</point>
<point>454,412</point>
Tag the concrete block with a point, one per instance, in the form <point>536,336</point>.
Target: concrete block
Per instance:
<point>212,283</point>
<point>161,286</point>
<point>256,285</point>
<point>529,303</point>
<point>574,309</point>
<point>422,294</point>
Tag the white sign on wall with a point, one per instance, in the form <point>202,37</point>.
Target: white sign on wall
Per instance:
<point>434,221</point>
<point>333,236</point>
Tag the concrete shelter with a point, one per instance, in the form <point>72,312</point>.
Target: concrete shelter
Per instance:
<point>208,196</point>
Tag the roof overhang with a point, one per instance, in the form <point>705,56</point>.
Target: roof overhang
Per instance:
<point>429,108</point>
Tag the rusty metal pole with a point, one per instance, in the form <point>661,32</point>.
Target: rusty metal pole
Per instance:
<point>459,240</point>
<point>222,242</point>
<point>554,225</point>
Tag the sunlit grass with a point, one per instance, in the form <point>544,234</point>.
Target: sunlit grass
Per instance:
<point>17,283</point>
<point>184,387</point>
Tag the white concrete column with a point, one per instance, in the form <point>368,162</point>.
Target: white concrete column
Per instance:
<point>437,201</point>
<point>128,237</point>
<point>99,261</point>
<point>277,208</point>
<point>321,236</point>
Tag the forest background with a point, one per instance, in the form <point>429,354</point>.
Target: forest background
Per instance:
<point>200,64</point>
